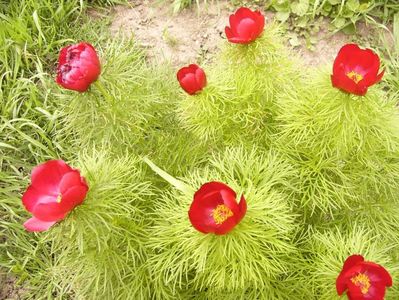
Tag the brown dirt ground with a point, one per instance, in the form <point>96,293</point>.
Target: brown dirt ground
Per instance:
<point>195,33</point>
<point>8,289</point>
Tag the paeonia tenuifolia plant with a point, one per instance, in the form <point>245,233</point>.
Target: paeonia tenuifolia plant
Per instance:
<point>249,176</point>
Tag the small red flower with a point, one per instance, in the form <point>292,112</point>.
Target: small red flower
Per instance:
<point>215,209</point>
<point>364,280</point>
<point>355,69</point>
<point>245,26</point>
<point>55,190</point>
<point>192,79</point>
<point>78,67</point>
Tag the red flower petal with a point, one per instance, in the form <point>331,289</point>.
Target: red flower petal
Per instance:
<point>34,224</point>
<point>69,180</point>
<point>200,213</point>
<point>242,208</point>
<point>73,197</point>
<point>378,273</point>
<point>376,292</point>
<point>32,197</point>
<point>49,212</point>
<point>211,187</point>
<point>226,227</point>
<point>352,261</point>
<point>46,177</point>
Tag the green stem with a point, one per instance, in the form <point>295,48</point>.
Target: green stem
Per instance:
<point>181,186</point>
<point>103,91</point>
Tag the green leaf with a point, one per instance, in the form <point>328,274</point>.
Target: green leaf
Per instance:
<point>339,22</point>
<point>282,16</point>
<point>294,41</point>
<point>363,7</point>
<point>300,8</point>
<point>349,29</point>
<point>281,5</point>
<point>353,5</point>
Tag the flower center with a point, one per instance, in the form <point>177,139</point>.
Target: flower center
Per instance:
<point>363,281</point>
<point>356,77</point>
<point>59,198</point>
<point>221,213</point>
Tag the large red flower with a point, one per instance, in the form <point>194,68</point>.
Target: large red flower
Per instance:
<point>55,190</point>
<point>78,67</point>
<point>364,280</point>
<point>355,69</point>
<point>192,79</point>
<point>245,26</point>
<point>215,209</point>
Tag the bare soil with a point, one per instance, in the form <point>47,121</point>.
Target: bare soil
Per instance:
<point>8,289</point>
<point>196,33</point>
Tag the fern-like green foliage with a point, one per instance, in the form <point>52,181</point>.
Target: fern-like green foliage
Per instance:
<point>257,253</point>
<point>115,110</point>
<point>239,101</point>
<point>345,146</point>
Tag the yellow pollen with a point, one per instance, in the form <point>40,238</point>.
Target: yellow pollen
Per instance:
<point>221,213</point>
<point>356,77</point>
<point>363,281</point>
<point>59,198</point>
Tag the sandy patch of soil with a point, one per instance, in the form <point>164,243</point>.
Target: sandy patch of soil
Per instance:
<point>8,289</point>
<point>195,34</point>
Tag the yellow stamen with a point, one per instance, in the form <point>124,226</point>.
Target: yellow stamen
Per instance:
<point>59,198</point>
<point>356,77</point>
<point>363,281</point>
<point>221,213</point>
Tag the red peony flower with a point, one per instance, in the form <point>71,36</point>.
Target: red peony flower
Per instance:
<point>355,69</point>
<point>364,280</point>
<point>245,26</point>
<point>215,209</point>
<point>192,79</point>
<point>78,67</point>
<point>55,190</point>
